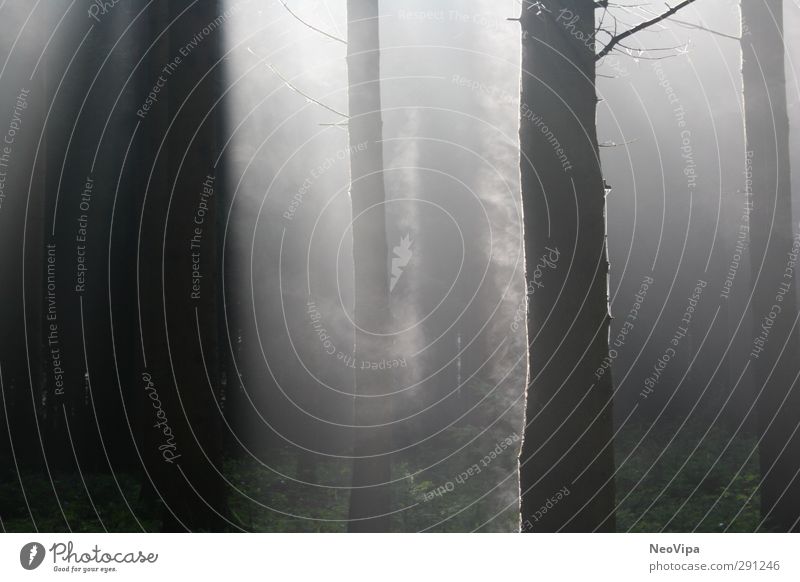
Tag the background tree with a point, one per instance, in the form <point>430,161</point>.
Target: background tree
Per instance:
<point>369,499</point>
<point>180,311</point>
<point>771,240</point>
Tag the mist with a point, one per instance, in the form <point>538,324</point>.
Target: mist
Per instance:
<point>181,297</point>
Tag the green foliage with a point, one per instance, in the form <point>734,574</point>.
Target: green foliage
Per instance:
<point>464,490</point>
<point>667,487</point>
<point>274,499</point>
<point>662,486</point>
<point>66,505</point>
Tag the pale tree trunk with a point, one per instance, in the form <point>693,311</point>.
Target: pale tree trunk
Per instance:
<point>771,237</point>
<point>369,499</point>
<point>566,463</point>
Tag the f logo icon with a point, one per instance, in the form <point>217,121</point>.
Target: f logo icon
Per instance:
<point>31,555</point>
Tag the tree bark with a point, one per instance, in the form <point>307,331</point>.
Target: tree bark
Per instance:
<point>566,463</point>
<point>179,378</point>
<point>370,497</point>
<point>771,240</point>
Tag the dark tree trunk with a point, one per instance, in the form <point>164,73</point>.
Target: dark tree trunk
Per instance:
<point>369,499</point>
<point>179,377</point>
<point>566,463</point>
<point>22,358</point>
<point>771,240</point>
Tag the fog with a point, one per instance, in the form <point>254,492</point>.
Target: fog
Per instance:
<point>255,116</point>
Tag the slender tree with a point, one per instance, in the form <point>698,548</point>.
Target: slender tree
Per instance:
<point>369,499</point>
<point>771,241</point>
<point>567,451</point>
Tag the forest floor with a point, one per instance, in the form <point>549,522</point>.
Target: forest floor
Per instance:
<point>662,485</point>
<point>667,485</point>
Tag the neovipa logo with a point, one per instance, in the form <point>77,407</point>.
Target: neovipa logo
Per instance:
<point>31,555</point>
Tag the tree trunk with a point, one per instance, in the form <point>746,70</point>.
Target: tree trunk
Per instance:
<point>567,462</point>
<point>369,498</point>
<point>179,377</point>
<point>771,240</point>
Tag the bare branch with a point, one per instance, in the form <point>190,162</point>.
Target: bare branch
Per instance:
<point>613,144</point>
<point>630,50</point>
<point>308,97</point>
<point>705,29</point>
<point>646,24</point>
<point>311,26</point>
<point>294,88</point>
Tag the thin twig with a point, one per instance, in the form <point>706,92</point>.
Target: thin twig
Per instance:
<point>613,144</point>
<point>311,26</point>
<point>646,24</point>
<point>294,88</point>
<point>303,94</point>
<point>703,28</point>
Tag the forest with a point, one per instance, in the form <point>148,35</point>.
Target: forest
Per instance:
<point>399,266</point>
